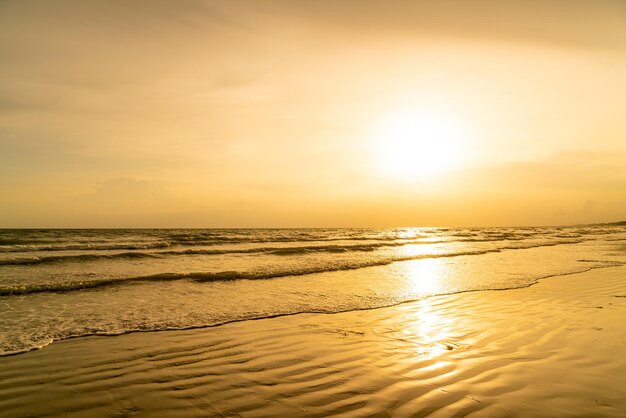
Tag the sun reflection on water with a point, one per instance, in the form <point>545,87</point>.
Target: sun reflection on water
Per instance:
<point>423,276</point>
<point>429,329</point>
<point>426,324</point>
<point>408,233</point>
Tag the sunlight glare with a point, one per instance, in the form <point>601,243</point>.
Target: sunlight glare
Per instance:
<point>418,144</point>
<point>424,276</point>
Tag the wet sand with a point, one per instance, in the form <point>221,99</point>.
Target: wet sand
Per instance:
<point>556,349</point>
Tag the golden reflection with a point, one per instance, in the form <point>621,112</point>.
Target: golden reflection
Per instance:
<point>428,329</point>
<point>423,276</point>
<point>427,325</point>
<point>424,248</point>
<point>409,233</point>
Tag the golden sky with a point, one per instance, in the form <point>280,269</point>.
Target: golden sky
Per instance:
<point>288,113</point>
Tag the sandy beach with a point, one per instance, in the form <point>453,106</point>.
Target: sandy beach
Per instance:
<point>555,349</point>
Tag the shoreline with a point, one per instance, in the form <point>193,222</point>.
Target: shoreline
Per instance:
<point>280,315</point>
<point>478,353</point>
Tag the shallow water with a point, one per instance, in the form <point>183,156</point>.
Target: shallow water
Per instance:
<point>58,284</point>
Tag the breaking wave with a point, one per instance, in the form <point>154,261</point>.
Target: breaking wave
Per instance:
<point>8,290</point>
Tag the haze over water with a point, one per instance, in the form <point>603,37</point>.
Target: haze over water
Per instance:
<point>57,284</point>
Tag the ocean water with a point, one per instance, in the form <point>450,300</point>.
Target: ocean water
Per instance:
<point>59,284</point>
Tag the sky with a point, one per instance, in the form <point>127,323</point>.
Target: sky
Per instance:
<point>295,113</point>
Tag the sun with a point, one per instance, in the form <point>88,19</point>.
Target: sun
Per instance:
<point>417,144</point>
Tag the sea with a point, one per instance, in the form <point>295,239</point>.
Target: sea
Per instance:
<point>57,284</point>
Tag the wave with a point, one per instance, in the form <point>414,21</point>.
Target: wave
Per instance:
<point>89,333</point>
<point>298,250</point>
<point>178,242</point>
<point>19,245</point>
<point>237,275</point>
<point>280,251</point>
<point>25,261</point>
<point>85,247</point>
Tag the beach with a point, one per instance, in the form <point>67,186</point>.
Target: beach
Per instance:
<point>554,349</point>
<point>280,208</point>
